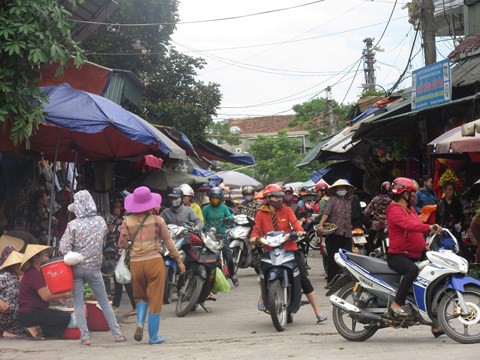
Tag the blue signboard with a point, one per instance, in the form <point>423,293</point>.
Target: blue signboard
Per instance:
<point>431,85</point>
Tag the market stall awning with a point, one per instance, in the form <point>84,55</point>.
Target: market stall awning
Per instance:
<point>93,127</point>
<point>340,170</point>
<point>453,142</point>
<point>112,84</point>
<point>214,152</point>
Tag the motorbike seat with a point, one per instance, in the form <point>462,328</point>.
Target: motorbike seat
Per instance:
<point>373,265</point>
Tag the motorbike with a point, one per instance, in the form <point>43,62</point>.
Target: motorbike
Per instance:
<point>441,294</point>
<point>202,256</point>
<point>359,240</point>
<point>171,274</point>
<point>108,266</point>
<point>244,253</point>
<point>280,280</point>
<point>380,244</point>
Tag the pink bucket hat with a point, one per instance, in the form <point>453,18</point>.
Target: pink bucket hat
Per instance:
<point>142,200</point>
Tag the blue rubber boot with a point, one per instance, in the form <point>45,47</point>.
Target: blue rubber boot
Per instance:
<point>153,327</point>
<point>142,308</point>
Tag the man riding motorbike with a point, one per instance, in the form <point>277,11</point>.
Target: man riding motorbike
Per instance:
<point>187,198</point>
<point>249,206</point>
<point>179,214</point>
<point>274,215</point>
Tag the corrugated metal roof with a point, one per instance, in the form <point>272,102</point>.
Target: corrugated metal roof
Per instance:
<point>466,72</point>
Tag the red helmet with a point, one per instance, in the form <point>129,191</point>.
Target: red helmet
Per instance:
<point>273,189</point>
<point>385,186</point>
<point>321,185</point>
<point>399,185</point>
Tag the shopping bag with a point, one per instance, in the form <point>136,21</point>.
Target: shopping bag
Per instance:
<point>73,258</point>
<point>220,284</point>
<point>122,273</point>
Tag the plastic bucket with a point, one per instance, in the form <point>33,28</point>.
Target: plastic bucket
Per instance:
<point>70,333</point>
<point>96,320</point>
<point>58,276</point>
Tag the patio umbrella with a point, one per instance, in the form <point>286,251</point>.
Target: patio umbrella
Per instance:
<point>452,142</point>
<point>93,127</point>
<point>166,179</point>
<point>235,179</point>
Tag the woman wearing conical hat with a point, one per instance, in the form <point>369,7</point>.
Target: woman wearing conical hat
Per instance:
<point>34,297</point>
<point>10,327</point>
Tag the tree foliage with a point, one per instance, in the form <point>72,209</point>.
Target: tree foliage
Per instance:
<point>172,94</point>
<point>220,131</point>
<point>32,33</point>
<point>312,116</point>
<point>276,160</point>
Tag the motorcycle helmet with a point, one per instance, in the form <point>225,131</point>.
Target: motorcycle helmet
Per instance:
<point>248,190</point>
<point>176,193</point>
<point>187,190</point>
<point>401,184</point>
<point>321,185</point>
<point>385,186</point>
<point>215,192</point>
<point>273,190</point>
<point>287,188</point>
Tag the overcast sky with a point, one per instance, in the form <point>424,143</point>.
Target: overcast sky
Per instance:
<point>267,63</point>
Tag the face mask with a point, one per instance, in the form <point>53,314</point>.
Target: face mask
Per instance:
<point>176,202</point>
<point>248,197</point>
<point>276,204</point>
<point>288,198</point>
<point>342,192</point>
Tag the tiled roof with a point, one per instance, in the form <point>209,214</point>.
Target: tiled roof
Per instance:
<point>469,46</point>
<point>264,124</point>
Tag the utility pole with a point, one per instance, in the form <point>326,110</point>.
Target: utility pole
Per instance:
<point>330,115</point>
<point>428,31</point>
<point>368,65</point>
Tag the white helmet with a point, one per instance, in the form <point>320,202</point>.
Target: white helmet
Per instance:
<point>187,190</point>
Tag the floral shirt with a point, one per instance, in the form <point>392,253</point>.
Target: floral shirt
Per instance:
<point>248,208</point>
<point>9,288</point>
<point>86,234</point>
<point>339,211</point>
<point>39,224</point>
<point>377,210</point>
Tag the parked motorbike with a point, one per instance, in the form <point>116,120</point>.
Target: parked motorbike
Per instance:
<point>202,255</point>
<point>244,253</point>
<point>380,243</point>
<point>280,280</point>
<point>172,272</point>
<point>108,266</point>
<point>442,294</point>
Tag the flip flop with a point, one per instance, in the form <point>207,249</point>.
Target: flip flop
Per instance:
<point>397,313</point>
<point>261,306</point>
<point>120,339</point>
<point>15,337</point>
<point>86,342</point>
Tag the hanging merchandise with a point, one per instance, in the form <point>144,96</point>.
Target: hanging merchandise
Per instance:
<point>450,176</point>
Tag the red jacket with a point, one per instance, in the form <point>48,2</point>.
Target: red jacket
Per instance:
<point>286,221</point>
<point>405,231</point>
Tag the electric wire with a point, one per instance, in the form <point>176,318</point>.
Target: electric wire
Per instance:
<point>200,21</point>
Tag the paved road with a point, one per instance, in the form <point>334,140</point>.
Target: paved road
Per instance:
<point>234,329</point>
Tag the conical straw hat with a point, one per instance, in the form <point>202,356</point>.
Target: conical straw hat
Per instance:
<point>16,243</point>
<point>30,252</point>
<point>14,258</point>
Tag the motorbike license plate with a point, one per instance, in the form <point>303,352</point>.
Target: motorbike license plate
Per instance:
<point>359,239</point>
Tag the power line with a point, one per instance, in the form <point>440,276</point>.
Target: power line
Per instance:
<point>388,23</point>
<point>406,67</point>
<point>199,21</point>
<point>348,90</point>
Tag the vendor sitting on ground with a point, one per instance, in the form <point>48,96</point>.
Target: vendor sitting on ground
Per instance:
<point>10,327</point>
<point>34,297</point>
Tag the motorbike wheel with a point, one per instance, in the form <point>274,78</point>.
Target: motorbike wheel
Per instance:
<point>169,285</point>
<point>236,254</point>
<point>189,295</point>
<point>464,329</point>
<point>314,241</point>
<point>345,325</point>
<point>277,305</point>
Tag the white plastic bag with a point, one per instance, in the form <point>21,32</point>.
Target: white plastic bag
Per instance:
<point>73,258</point>
<point>122,273</point>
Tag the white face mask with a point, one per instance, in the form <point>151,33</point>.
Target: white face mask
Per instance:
<point>248,197</point>
<point>176,202</point>
<point>342,192</point>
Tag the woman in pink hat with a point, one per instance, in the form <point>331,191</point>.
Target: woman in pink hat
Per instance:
<point>143,232</point>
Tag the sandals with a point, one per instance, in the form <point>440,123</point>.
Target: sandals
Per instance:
<point>120,339</point>
<point>397,313</point>
<point>235,282</point>
<point>86,342</point>
<point>261,306</point>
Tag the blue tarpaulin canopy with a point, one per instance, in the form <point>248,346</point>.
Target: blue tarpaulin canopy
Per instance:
<point>94,127</point>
